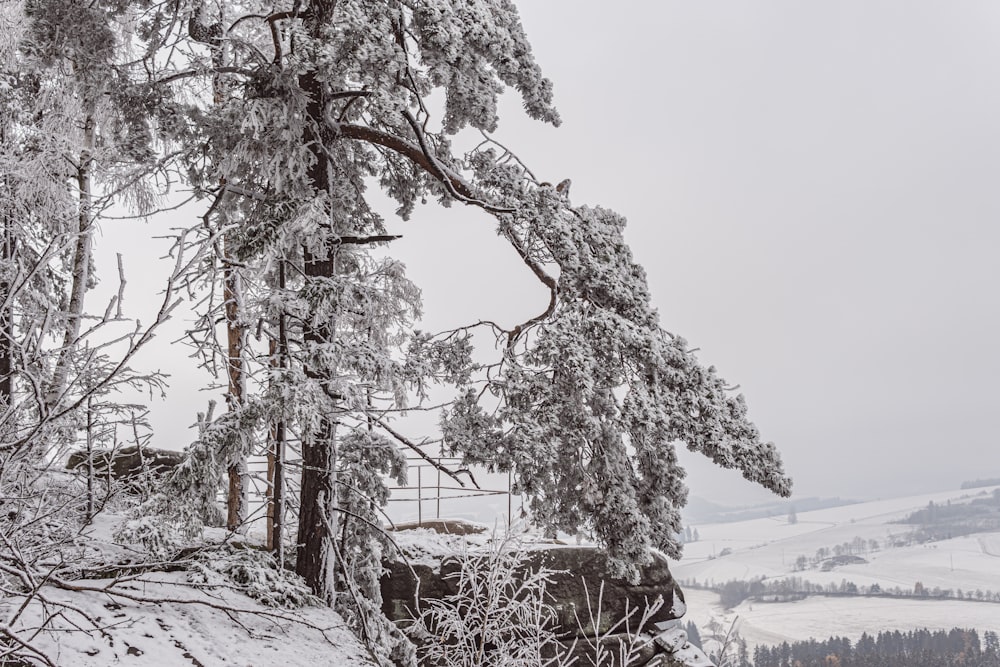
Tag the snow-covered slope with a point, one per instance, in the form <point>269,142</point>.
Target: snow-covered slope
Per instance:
<point>202,628</point>
<point>105,607</point>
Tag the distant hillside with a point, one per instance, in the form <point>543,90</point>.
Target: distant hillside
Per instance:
<point>977,483</point>
<point>699,510</point>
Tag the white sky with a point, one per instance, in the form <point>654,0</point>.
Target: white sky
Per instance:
<point>812,188</point>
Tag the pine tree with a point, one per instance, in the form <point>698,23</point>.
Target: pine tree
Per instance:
<point>592,379</point>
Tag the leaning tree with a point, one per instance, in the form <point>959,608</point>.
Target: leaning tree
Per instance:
<point>327,99</point>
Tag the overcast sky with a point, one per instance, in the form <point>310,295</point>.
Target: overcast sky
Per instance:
<point>814,190</point>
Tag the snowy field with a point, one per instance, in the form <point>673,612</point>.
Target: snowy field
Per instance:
<point>769,548</point>
<point>822,617</point>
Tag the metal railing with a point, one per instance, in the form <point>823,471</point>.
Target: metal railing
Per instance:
<point>435,490</point>
<point>431,486</point>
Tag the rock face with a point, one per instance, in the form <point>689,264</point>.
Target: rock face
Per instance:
<point>589,604</point>
<point>127,463</point>
<point>401,584</point>
<point>577,590</point>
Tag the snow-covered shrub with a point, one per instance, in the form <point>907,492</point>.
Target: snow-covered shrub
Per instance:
<point>623,642</point>
<point>152,533</point>
<point>365,458</point>
<point>501,613</point>
<point>254,573</point>
<point>160,525</point>
<point>186,500</point>
<point>498,614</point>
<point>41,514</point>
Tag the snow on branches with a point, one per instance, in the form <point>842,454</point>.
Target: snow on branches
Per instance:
<point>593,401</point>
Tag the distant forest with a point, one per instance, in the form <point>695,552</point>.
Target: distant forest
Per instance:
<point>942,522</point>
<point>977,483</point>
<point>700,511</point>
<point>788,589</point>
<point>918,648</point>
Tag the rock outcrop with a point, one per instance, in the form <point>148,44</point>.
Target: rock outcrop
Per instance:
<point>582,572</point>
<point>591,606</point>
<point>127,463</point>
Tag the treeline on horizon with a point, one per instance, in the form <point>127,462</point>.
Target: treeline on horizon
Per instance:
<point>987,504</point>
<point>977,483</point>
<point>787,589</point>
<point>917,648</point>
<point>944,521</point>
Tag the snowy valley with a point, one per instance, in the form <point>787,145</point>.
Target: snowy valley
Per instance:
<point>869,566</point>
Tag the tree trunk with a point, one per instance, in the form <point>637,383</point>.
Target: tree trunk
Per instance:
<point>236,494</point>
<point>90,462</point>
<point>276,454</point>
<point>81,265</point>
<point>316,557</point>
<point>6,284</point>
<point>236,504</point>
<point>7,250</point>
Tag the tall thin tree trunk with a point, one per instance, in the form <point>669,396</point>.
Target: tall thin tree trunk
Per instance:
<point>147,480</point>
<point>276,454</point>
<point>81,262</point>
<point>90,461</point>
<point>7,253</point>
<point>236,494</point>
<point>7,250</point>
<point>236,504</point>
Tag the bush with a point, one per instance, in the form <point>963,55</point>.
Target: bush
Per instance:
<point>254,573</point>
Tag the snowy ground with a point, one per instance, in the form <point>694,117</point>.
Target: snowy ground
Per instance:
<point>171,619</point>
<point>769,548</point>
<point>192,633</point>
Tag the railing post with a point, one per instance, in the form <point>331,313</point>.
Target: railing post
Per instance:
<point>420,497</point>
<point>437,511</point>
<point>508,498</point>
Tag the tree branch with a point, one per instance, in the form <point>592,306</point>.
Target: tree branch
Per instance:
<point>455,184</point>
<point>540,273</point>
<point>425,456</point>
<point>364,240</point>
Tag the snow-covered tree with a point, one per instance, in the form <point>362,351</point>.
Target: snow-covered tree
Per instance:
<point>331,99</point>
<point>281,117</point>
<point>76,141</point>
